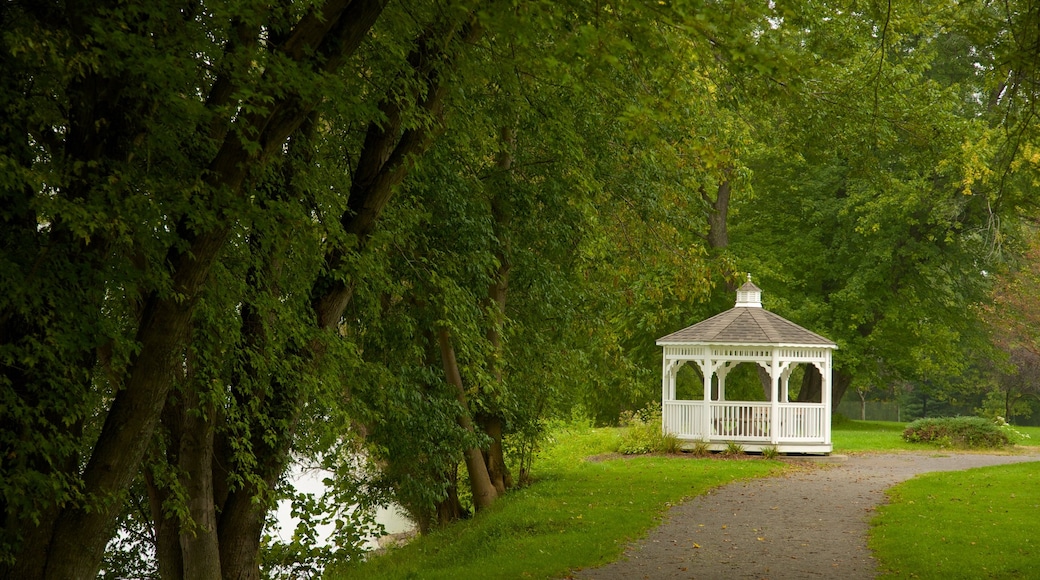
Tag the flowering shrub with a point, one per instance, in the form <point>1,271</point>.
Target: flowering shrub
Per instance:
<point>1014,435</point>
<point>967,432</point>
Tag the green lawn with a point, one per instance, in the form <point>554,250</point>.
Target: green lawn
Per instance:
<point>577,514</point>
<point>979,523</point>
<point>851,436</point>
<point>581,513</point>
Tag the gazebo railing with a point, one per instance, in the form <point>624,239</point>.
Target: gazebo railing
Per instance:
<point>801,422</point>
<point>683,418</point>
<point>745,421</point>
<point>740,420</point>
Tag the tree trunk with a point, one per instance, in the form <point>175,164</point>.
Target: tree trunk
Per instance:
<point>165,529</point>
<point>842,380</point>
<point>811,390</point>
<point>484,493</point>
<point>385,158</point>
<point>71,544</point>
<point>494,457</point>
<point>199,546</point>
<point>766,382</point>
<point>449,509</point>
<point>718,234</point>
<point>501,211</point>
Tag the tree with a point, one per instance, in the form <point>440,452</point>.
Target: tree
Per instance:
<point>886,247</point>
<point>139,133</point>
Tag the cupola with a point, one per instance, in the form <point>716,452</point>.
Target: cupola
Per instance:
<point>749,295</point>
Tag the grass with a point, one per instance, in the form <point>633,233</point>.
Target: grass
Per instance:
<point>848,435</point>
<point>852,436</point>
<point>979,523</point>
<point>581,513</point>
<point>964,524</point>
<point>577,514</point>
<point>1034,436</point>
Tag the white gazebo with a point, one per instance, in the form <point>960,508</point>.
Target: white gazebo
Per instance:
<point>748,333</point>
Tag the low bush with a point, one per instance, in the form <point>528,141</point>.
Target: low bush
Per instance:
<point>966,432</point>
<point>643,434</point>
<point>699,449</point>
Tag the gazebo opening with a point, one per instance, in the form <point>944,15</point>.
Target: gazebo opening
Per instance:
<point>729,379</point>
<point>689,384</point>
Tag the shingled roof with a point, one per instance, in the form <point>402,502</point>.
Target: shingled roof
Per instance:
<point>746,323</point>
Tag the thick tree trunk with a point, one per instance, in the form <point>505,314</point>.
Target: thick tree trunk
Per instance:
<point>385,158</point>
<point>718,234</point>
<point>764,381</point>
<point>842,380</point>
<point>494,458</point>
<point>449,509</point>
<point>244,508</point>
<point>241,526</point>
<point>83,533</point>
<point>71,544</point>
<point>166,530</point>
<point>484,493</point>
<point>198,543</point>
<point>811,390</point>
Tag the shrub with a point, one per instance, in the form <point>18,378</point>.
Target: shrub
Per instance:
<point>968,432</point>
<point>1014,435</point>
<point>643,433</point>
<point>734,448</point>
<point>700,449</point>
<point>770,452</point>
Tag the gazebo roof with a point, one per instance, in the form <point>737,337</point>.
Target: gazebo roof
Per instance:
<point>747,323</point>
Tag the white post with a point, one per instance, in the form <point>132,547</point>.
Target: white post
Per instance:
<point>825,397</point>
<point>664,377</point>
<point>664,390</point>
<point>774,396</point>
<point>721,374</point>
<point>707,369</point>
<point>785,392</point>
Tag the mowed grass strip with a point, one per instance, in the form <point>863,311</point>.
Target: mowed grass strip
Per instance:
<point>577,514</point>
<point>850,436</point>
<point>979,523</point>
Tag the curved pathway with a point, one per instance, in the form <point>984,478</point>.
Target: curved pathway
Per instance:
<point>809,524</point>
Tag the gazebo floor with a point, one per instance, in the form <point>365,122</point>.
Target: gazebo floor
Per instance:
<point>787,448</point>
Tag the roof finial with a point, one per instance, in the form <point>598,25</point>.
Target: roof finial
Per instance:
<point>749,294</point>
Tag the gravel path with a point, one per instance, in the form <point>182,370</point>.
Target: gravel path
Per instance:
<point>809,524</point>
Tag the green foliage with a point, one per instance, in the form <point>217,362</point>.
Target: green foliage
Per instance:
<point>346,507</point>
<point>734,448</point>
<point>1014,436</point>
<point>642,433</point>
<point>966,432</point>
<point>577,513</point>
<point>963,524</point>
<point>177,190</point>
<point>770,452</point>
